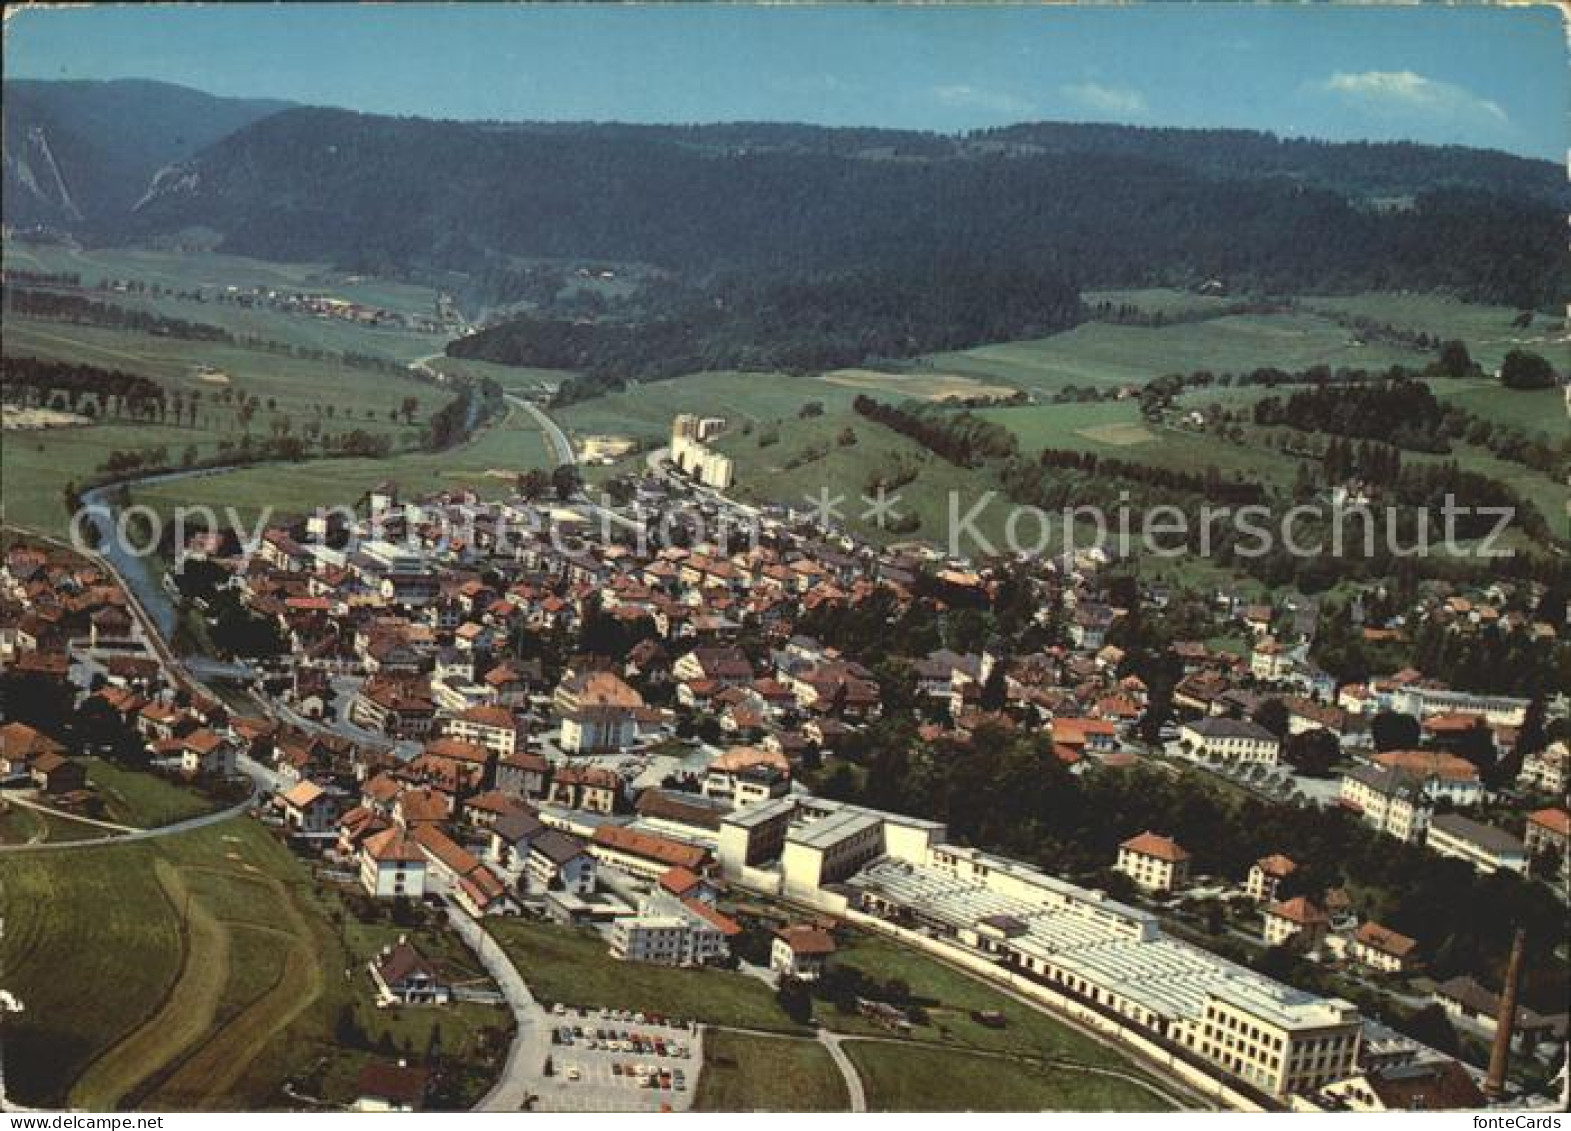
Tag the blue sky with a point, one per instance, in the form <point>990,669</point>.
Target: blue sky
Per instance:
<point>1486,76</point>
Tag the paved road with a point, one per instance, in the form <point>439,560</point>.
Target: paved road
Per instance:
<point>175,829</point>
<point>526,1058</point>
<point>853,1078</point>
<point>560,444</point>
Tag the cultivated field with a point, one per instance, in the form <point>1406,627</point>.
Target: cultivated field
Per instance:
<point>1098,353</point>
<point>489,463</point>
<point>920,385</point>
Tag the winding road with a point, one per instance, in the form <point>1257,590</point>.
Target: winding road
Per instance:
<point>561,446</point>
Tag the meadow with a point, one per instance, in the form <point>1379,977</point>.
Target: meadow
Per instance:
<point>488,462</point>
<point>1096,354</point>
<point>205,970</point>
<point>748,1072</point>
<point>901,1077</point>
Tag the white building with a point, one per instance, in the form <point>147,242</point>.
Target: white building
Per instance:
<point>669,932</point>
<point>801,952</point>
<point>1388,801</point>
<point>1154,863</point>
<point>1485,847</point>
<point>393,865</point>
<point>1230,740</point>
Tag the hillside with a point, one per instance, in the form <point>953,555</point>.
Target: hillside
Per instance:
<point>1102,206</point>
<point>79,155</point>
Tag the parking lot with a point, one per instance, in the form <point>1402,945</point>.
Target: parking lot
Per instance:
<point>615,1060</point>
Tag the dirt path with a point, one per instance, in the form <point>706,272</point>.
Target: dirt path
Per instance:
<point>186,1014</point>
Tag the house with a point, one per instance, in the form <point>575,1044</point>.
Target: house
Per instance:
<point>1298,921</point>
<point>1074,738</point>
<point>558,861</point>
<point>801,952</point>
<point>594,788</point>
<point>56,774</point>
<point>1155,863</point>
<point>1548,833</point>
<point>1230,740</point>
<point>20,744</point>
<point>384,1087</point>
<point>1266,875</point>
<point>493,727</point>
<point>511,835</point>
<point>523,775</point>
<point>392,865</point>
<point>204,752</point>
<point>1465,998</point>
<point>1270,661</point>
<point>1383,949</point>
<point>1431,1085</point>
<point>404,976</point>
<point>1547,770</point>
<point>747,775</point>
<point>1446,776</point>
<point>1485,847</point>
<point>308,810</point>
<point>1388,801</point>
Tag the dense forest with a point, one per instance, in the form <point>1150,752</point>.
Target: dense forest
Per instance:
<point>1106,206</point>
<point>796,323</point>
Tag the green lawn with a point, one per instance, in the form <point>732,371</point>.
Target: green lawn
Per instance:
<point>143,799</point>
<point>745,1072</point>
<point>1027,1031</point>
<point>905,1078</point>
<point>572,966</point>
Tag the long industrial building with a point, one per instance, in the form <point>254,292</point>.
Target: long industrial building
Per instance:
<point>1107,956</point>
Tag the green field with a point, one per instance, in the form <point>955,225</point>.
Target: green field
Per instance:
<point>950,997</point>
<point>1532,410</point>
<point>143,799</point>
<point>202,971</point>
<point>489,462</point>
<point>211,271</point>
<point>20,824</point>
<point>1098,353</point>
<point>513,378</point>
<point>906,1078</point>
<point>646,410</point>
<point>1487,330</point>
<point>746,1072</point>
<point>572,966</point>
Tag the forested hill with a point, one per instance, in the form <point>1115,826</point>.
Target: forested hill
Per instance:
<point>1097,205</point>
<point>79,155</point>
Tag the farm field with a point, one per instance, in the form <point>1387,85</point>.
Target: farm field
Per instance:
<point>572,966</point>
<point>906,1078</point>
<point>919,384</point>
<point>645,411</point>
<point>1532,410</point>
<point>206,969</point>
<point>747,1072</point>
<point>1098,353</point>
<point>507,447</point>
<point>206,270</point>
<point>1487,330</point>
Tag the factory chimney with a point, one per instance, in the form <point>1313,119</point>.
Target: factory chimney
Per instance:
<point>1505,1021</point>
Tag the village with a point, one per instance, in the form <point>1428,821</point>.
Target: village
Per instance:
<point>578,727</point>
